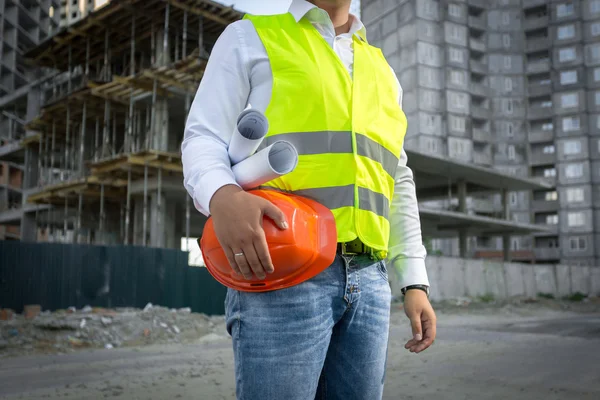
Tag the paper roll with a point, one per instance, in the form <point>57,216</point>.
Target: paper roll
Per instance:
<point>252,127</point>
<point>278,159</point>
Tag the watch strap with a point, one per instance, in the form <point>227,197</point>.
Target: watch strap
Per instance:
<point>417,287</point>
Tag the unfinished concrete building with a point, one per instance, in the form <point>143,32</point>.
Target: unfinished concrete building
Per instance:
<point>102,158</point>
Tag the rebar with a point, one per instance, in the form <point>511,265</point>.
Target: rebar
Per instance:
<point>185,22</point>
<point>166,35</point>
<point>52,151</point>
<point>96,139</point>
<point>87,58</point>
<point>132,60</point>
<point>67,137</point>
<point>81,145</point>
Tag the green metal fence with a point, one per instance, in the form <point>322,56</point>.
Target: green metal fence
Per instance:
<point>62,275</point>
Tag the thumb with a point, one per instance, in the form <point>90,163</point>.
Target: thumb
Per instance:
<point>415,323</point>
<point>275,214</point>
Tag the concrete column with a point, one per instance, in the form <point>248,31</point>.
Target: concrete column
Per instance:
<point>160,134</point>
<point>138,212</point>
<point>505,215</point>
<point>462,196</point>
<point>505,204</point>
<point>163,233</point>
<point>161,125</point>
<point>28,227</point>
<point>162,58</point>
<point>30,179</point>
<point>506,247</point>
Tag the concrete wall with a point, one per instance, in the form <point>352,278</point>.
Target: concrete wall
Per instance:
<point>455,277</point>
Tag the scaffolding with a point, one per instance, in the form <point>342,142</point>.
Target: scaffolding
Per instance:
<point>112,119</point>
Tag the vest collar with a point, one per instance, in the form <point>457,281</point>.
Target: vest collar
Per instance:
<point>303,9</point>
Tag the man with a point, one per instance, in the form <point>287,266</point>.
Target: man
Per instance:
<point>320,83</point>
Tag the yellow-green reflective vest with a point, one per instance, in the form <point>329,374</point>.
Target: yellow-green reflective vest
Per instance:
<point>348,131</point>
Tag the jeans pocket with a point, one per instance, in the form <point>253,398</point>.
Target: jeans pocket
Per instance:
<point>382,269</point>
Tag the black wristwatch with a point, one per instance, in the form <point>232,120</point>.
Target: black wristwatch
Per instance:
<point>418,287</point>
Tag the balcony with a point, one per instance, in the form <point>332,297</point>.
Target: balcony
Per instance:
<point>540,113</point>
<point>535,23</point>
<point>479,112</point>
<point>547,253</point>
<point>540,135</point>
<point>539,158</point>
<point>482,136</point>
<point>480,158</point>
<point>541,206</point>
<point>478,67</point>
<point>483,206</point>
<point>476,4</point>
<point>535,90</point>
<point>537,44</point>
<point>477,22</point>
<point>478,89</point>
<point>477,45</point>
<point>536,67</point>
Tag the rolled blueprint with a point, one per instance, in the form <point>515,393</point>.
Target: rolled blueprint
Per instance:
<point>276,160</point>
<point>252,127</point>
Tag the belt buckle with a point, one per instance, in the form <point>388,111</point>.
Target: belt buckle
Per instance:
<point>345,251</point>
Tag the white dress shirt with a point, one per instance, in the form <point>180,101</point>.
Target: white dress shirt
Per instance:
<point>239,73</point>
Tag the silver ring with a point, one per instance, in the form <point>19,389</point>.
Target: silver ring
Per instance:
<point>239,254</point>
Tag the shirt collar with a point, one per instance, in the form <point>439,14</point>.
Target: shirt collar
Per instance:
<point>303,9</point>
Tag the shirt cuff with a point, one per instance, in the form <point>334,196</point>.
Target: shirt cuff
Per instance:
<point>411,271</point>
<point>209,184</point>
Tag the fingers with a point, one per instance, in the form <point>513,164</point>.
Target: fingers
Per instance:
<point>239,259</point>
<point>428,325</point>
<point>428,337</point>
<point>232,260</point>
<point>262,251</point>
<point>254,261</point>
<point>273,212</point>
<point>415,323</point>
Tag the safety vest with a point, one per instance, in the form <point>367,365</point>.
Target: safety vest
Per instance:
<point>348,131</point>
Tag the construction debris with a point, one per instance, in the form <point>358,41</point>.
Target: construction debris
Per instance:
<point>69,330</point>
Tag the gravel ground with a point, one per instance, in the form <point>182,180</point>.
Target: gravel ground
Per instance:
<point>546,350</point>
<point>67,331</point>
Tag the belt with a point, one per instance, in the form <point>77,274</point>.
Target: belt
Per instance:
<point>356,247</point>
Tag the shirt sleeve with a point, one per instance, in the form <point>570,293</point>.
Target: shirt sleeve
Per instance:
<point>220,98</point>
<point>406,252</point>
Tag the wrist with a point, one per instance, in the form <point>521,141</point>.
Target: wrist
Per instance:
<point>221,196</point>
<point>415,288</point>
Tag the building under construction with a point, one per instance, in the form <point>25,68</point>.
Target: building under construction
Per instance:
<point>101,153</point>
<point>99,141</point>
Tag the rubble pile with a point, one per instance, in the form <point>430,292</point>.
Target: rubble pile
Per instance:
<point>68,330</point>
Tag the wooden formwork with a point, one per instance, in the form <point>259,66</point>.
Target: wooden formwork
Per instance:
<point>145,162</point>
<point>90,188</point>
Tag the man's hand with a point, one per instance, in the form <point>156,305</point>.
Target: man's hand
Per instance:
<point>422,320</point>
<point>237,218</point>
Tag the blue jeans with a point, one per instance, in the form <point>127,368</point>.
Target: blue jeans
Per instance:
<point>325,338</point>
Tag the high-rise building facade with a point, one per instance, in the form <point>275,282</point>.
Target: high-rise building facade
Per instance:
<point>23,24</point>
<point>512,85</point>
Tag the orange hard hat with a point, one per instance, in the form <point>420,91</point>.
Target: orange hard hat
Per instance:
<point>298,253</point>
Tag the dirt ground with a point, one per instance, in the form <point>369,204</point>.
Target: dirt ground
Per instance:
<point>546,350</point>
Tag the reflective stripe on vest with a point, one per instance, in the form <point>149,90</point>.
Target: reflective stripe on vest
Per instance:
<point>348,131</point>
